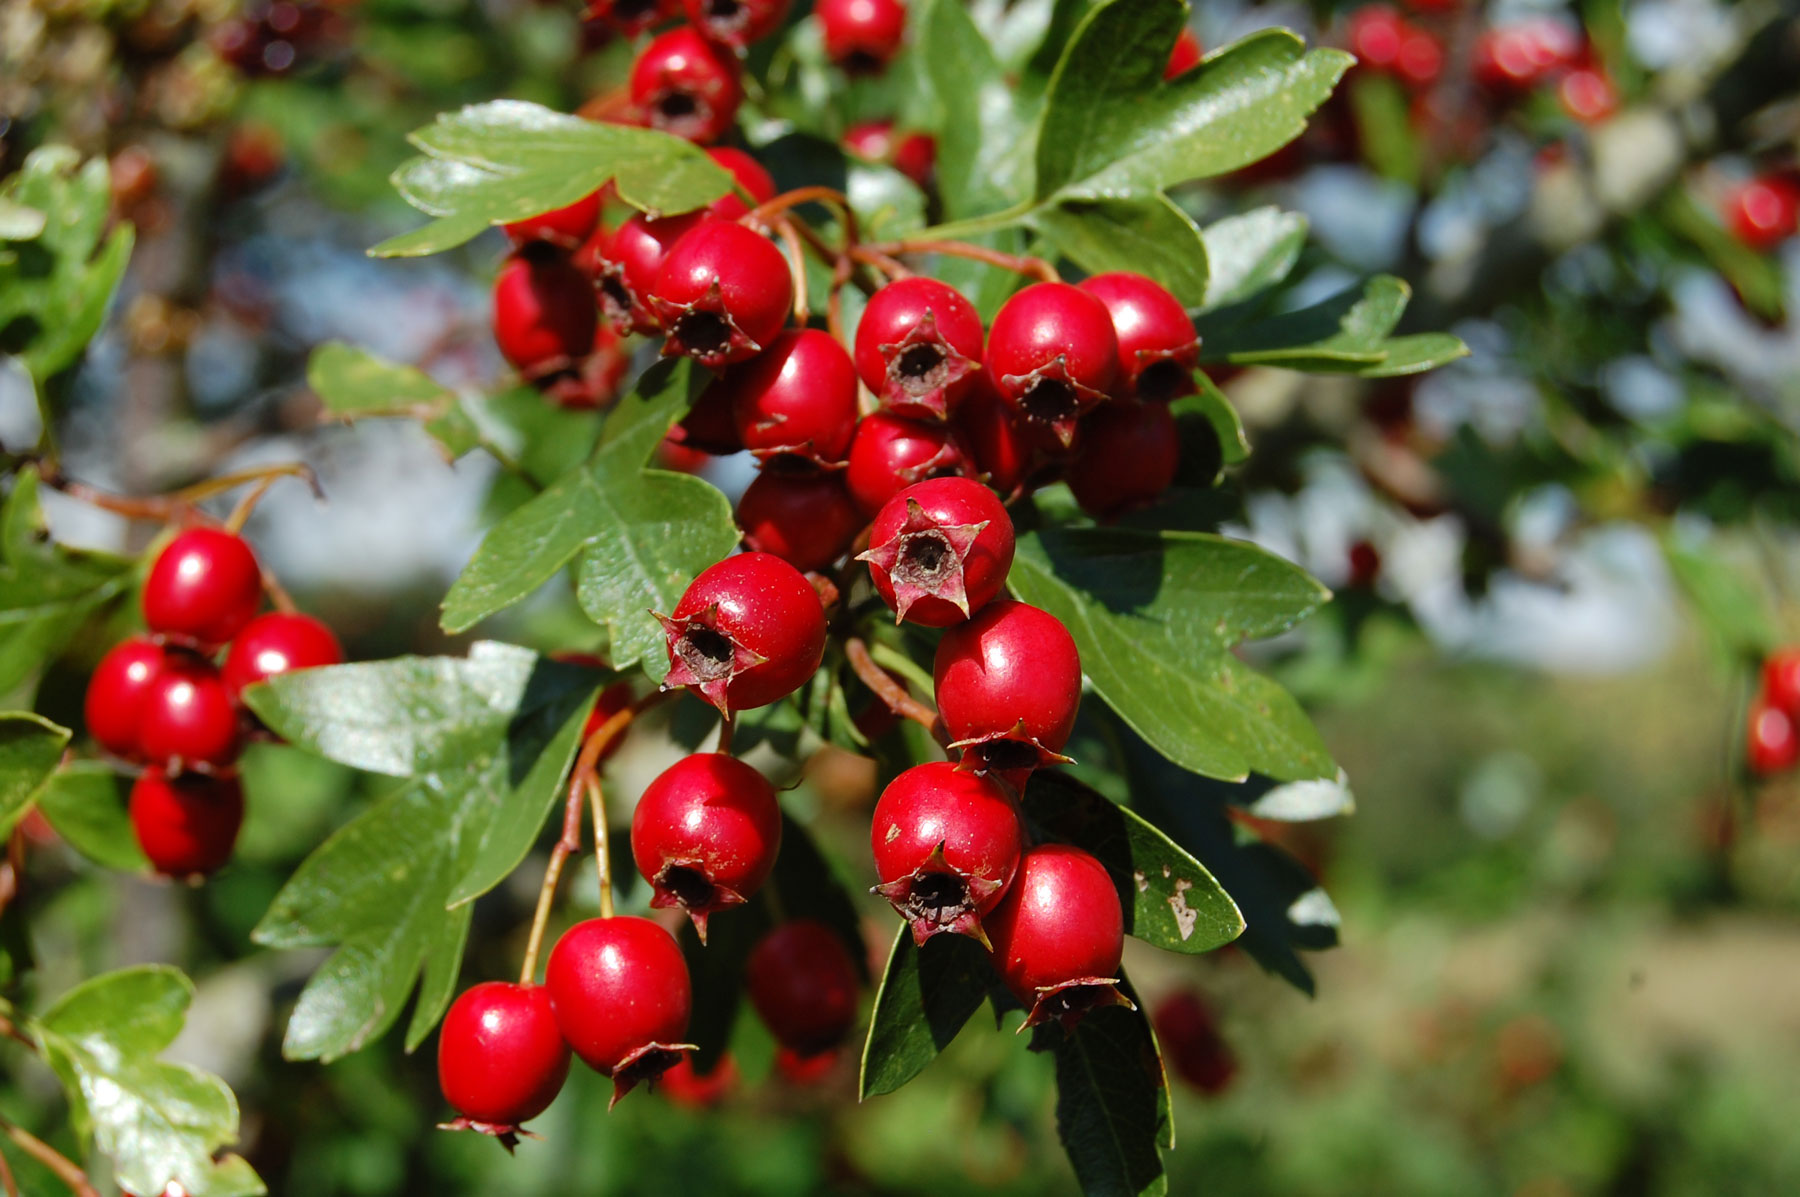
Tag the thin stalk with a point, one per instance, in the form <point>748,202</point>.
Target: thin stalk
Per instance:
<point>49,1157</point>
<point>1031,267</point>
<point>885,687</point>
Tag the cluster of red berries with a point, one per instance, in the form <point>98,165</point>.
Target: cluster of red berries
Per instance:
<point>1773,734</point>
<point>1764,211</point>
<point>272,37</point>
<point>162,701</point>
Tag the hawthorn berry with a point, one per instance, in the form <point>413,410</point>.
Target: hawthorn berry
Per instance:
<point>749,174</point>
<point>1126,455</point>
<point>501,1060</point>
<point>735,23</point>
<point>861,36</point>
<point>803,983</point>
<point>807,520</point>
<point>705,835</point>
<point>1763,212</point>
<point>1188,1032</point>
<point>748,631</point>
<point>686,85</point>
<point>1001,452</point>
<point>276,643</point>
<point>1774,743</point>
<point>595,381</point>
<point>202,588</point>
<point>946,845</point>
<point>1587,94</point>
<point>939,551</point>
<point>628,18</point>
<point>1052,355</point>
<point>624,267</point>
<point>186,823</point>
<point>1516,57</point>
<point>805,1071</point>
<point>912,154</point>
<point>114,704</point>
<point>1184,55</point>
<point>620,992</point>
<point>918,347</point>
<point>710,425</point>
<point>1780,680</point>
<point>1008,684</point>
<point>889,454</point>
<point>1059,934</point>
<point>722,293</point>
<point>1157,346</point>
<point>1375,34</point>
<point>1421,57</point>
<point>796,400</point>
<point>189,715</point>
<point>544,314</point>
<point>1365,564</point>
<point>567,226</point>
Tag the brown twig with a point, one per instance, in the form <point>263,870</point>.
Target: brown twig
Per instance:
<point>726,726</point>
<point>784,228</point>
<point>6,1178</point>
<point>181,504</point>
<point>885,687</point>
<point>829,196</point>
<point>1031,267</point>
<point>869,255</point>
<point>49,1157</point>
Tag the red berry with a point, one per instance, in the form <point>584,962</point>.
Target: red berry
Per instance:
<point>749,174</point>
<point>501,1060</point>
<point>916,157</point>
<point>913,154</point>
<point>1000,451</point>
<point>567,226</point>
<point>186,824</point>
<point>1157,346</point>
<point>889,454</point>
<point>806,1071</point>
<point>203,588</point>
<point>630,17</point>
<point>796,399</point>
<point>1763,212</point>
<point>686,85</point>
<point>1058,935</point>
<point>946,845</point>
<point>939,551</point>
<point>118,691</point>
<point>1126,456</point>
<point>918,347</point>
<point>1008,685</point>
<point>803,983</point>
<point>1780,680</point>
<point>278,643</point>
<point>1587,94</point>
<point>596,379</point>
<point>625,265</point>
<point>1365,564</point>
<point>748,631</point>
<point>544,314</point>
<point>861,36</point>
<point>1192,1045</point>
<point>807,520</point>
<point>1184,56</point>
<point>1774,744</point>
<point>736,23</point>
<point>1052,355</point>
<point>1375,34</point>
<point>705,834</point>
<point>709,425</point>
<point>621,996</point>
<point>699,1091</point>
<point>722,293</point>
<point>1421,57</point>
<point>188,715</point>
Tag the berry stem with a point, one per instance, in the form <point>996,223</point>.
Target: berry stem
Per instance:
<point>895,661</point>
<point>881,261</point>
<point>49,1157</point>
<point>569,842</point>
<point>180,504</point>
<point>6,1178</point>
<point>830,196</point>
<point>725,729</point>
<point>886,688</point>
<point>1031,267</point>
<point>796,267</point>
<point>602,856</point>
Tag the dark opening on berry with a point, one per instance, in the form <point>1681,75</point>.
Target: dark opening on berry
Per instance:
<point>940,550</point>
<point>621,995</point>
<point>918,347</point>
<point>749,630</point>
<point>946,844</point>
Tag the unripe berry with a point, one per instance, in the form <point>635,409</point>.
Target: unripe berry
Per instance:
<point>117,692</point>
<point>795,400</point>
<point>1774,743</point>
<point>203,588</point>
<point>939,551</point>
<point>705,834</point>
<point>1001,452</point>
<point>628,18</point>
<point>621,995</point>
<point>748,631</point>
<point>889,454</point>
<point>803,983</point>
<point>1052,355</point>
<point>861,36</point>
<point>1157,346</point>
<point>912,154</point>
<point>186,824</point>
<point>918,347</point>
<point>544,313</point>
<point>189,716</point>
<point>735,23</point>
<point>1126,455</point>
<point>1188,1032</point>
<point>1008,685</point>
<point>567,226</point>
<point>686,85</point>
<point>807,520</point>
<point>946,845</point>
<point>277,643</point>
<point>1184,55</point>
<point>1780,680</point>
<point>501,1060</point>
<point>1059,935</point>
<point>722,293</point>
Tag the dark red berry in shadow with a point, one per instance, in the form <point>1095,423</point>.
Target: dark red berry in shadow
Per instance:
<point>187,823</point>
<point>1126,455</point>
<point>807,520</point>
<point>736,23</point>
<point>544,313</point>
<point>803,983</point>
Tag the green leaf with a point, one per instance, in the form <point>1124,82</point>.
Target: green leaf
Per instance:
<point>1414,354</point>
<point>1347,331</point>
<point>640,535</point>
<point>1384,126</point>
<point>1112,126</point>
<point>1250,252</point>
<point>354,383</point>
<point>925,997</point>
<point>86,805</point>
<point>1210,410</point>
<point>1731,606</point>
<point>984,139</point>
<point>1170,899</point>
<point>1112,1102</point>
<point>19,223</point>
<point>30,747</point>
<point>1156,615</point>
<point>484,743</point>
<point>158,1122</point>
<point>1145,233</point>
<point>506,160</point>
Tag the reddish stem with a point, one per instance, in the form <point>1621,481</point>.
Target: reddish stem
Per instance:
<point>886,688</point>
<point>1031,267</point>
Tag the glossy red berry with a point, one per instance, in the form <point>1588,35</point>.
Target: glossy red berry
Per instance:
<point>1052,355</point>
<point>722,294</point>
<point>1000,450</point>
<point>705,834</point>
<point>1184,55</point>
<point>277,643</point>
<point>1008,685</point>
<point>630,17</point>
<point>699,1090</point>
<point>567,226</point>
<point>621,995</point>
<point>918,347</point>
<point>203,588</point>
<point>912,154</point>
<point>117,693</point>
<point>889,454</point>
<point>1780,680</point>
<point>188,715</point>
<point>1587,94</point>
<point>803,983</point>
<point>710,425</point>
<point>748,631</point>
<point>1059,934</point>
<point>544,313</point>
<point>796,400</point>
<point>807,520</point>
<point>501,1060</point>
<point>749,175</point>
<point>1421,57</point>
<point>1188,1033</point>
<point>861,36</point>
<point>736,23</point>
<point>946,845</point>
<point>686,85</point>
<point>186,824</point>
<point>1126,456</point>
<point>1764,212</point>
<point>1157,346</point>
<point>1774,742</point>
<point>939,551</point>
<point>624,267</point>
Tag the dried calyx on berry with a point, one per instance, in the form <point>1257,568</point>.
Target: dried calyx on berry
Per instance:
<point>1008,685</point>
<point>621,995</point>
<point>736,23</point>
<point>918,347</point>
<point>722,294</point>
<point>501,1060</point>
<point>683,84</point>
<point>1158,349</point>
<point>939,551</point>
<point>1052,355</point>
<point>705,835</point>
<point>748,631</point>
<point>946,845</point>
<point>1059,935</point>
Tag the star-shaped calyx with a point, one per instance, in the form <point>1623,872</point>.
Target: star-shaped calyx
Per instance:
<point>506,1134</point>
<point>925,559</point>
<point>684,884</point>
<point>645,1064</point>
<point>937,897</point>
<point>703,330</point>
<point>1051,397</point>
<point>1067,1002</point>
<point>1009,755</point>
<point>922,367</point>
<point>704,658</point>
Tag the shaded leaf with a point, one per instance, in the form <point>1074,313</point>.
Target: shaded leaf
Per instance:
<point>1112,1102</point>
<point>86,805</point>
<point>1143,233</point>
<point>30,747</point>
<point>1250,252</point>
<point>1210,408</point>
<point>925,996</point>
<point>806,885</point>
<point>984,139</point>
<point>1730,605</point>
